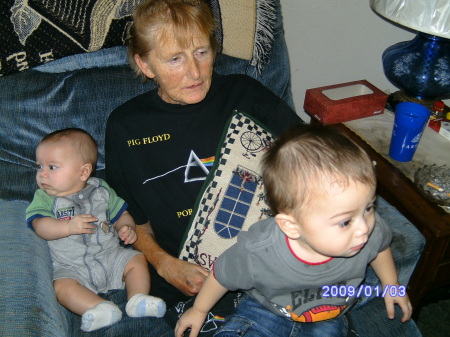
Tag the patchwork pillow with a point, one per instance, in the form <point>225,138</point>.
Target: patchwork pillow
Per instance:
<point>232,197</point>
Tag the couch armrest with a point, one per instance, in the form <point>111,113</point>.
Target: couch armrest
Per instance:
<point>27,300</point>
<point>369,315</point>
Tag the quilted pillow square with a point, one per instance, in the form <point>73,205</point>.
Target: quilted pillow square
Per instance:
<point>232,197</point>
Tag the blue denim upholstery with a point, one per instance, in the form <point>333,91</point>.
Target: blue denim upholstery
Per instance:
<point>35,103</point>
<point>407,245</point>
<point>81,91</point>
<point>27,300</point>
<point>369,314</point>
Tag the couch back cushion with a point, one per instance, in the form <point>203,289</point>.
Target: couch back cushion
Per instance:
<point>34,103</point>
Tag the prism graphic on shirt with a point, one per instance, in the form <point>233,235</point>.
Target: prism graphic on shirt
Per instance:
<point>195,169</point>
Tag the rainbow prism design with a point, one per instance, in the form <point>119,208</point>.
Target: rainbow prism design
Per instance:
<point>208,162</point>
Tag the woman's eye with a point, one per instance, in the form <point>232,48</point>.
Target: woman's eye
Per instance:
<point>203,53</point>
<point>175,60</point>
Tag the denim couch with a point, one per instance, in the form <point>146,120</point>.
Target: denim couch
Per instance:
<point>81,91</point>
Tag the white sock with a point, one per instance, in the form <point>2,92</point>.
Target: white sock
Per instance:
<point>141,305</point>
<point>103,314</point>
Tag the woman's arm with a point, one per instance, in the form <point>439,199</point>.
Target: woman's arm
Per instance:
<point>185,276</point>
<point>212,291</point>
<point>384,268</point>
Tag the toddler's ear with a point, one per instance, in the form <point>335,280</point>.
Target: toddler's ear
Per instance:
<point>288,225</point>
<point>86,171</point>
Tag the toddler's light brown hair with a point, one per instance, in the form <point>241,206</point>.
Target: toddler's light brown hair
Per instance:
<point>305,161</point>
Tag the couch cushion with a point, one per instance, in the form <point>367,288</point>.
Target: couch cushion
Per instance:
<point>407,246</point>
<point>35,103</point>
<point>372,320</point>
<point>27,300</point>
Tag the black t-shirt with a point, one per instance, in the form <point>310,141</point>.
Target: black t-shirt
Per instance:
<point>152,148</point>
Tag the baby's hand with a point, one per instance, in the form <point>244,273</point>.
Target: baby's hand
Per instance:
<point>402,301</point>
<point>81,224</point>
<point>127,235</point>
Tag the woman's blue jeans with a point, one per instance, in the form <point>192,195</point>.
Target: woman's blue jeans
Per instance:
<point>251,319</point>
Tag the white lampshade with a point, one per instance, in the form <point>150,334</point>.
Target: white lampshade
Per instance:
<point>427,16</point>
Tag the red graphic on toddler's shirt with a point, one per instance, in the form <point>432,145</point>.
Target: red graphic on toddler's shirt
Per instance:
<point>317,314</point>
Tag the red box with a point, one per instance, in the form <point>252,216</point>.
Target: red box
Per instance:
<point>441,126</point>
<point>344,102</point>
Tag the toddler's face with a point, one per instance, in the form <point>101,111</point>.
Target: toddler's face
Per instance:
<point>337,223</point>
<point>59,168</point>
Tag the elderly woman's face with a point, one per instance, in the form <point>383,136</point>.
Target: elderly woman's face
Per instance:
<point>183,74</point>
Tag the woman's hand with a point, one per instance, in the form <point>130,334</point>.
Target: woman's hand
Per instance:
<point>185,276</point>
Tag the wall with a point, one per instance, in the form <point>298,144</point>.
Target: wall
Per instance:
<point>336,41</point>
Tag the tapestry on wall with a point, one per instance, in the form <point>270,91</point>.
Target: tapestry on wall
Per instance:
<point>35,32</point>
<point>38,31</point>
<point>232,197</point>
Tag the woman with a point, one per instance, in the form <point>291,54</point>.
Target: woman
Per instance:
<point>150,139</point>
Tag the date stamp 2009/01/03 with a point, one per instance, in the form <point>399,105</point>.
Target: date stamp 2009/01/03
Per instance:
<point>363,290</point>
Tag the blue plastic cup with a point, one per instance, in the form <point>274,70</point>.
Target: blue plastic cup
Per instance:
<point>409,123</point>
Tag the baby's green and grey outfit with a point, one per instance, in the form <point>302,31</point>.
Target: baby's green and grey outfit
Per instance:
<point>95,260</point>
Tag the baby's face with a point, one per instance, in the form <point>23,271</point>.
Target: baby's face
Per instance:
<point>59,168</point>
<point>337,223</point>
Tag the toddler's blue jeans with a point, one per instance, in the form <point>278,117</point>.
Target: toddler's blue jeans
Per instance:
<point>251,319</point>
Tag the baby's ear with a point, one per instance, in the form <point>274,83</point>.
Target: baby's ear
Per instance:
<point>86,171</point>
<point>288,225</point>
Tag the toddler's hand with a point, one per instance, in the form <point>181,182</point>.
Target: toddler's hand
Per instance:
<point>402,301</point>
<point>127,235</point>
<point>81,224</point>
<point>191,318</point>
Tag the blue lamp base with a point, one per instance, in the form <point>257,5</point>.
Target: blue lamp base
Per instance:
<point>400,96</point>
<point>420,67</point>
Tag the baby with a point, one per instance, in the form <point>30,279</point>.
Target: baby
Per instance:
<point>83,221</point>
<point>325,232</point>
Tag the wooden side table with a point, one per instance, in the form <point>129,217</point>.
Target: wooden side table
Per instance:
<point>395,184</point>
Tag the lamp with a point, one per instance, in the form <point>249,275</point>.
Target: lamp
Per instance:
<point>420,67</point>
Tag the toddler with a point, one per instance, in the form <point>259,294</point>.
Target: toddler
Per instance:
<point>321,188</point>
